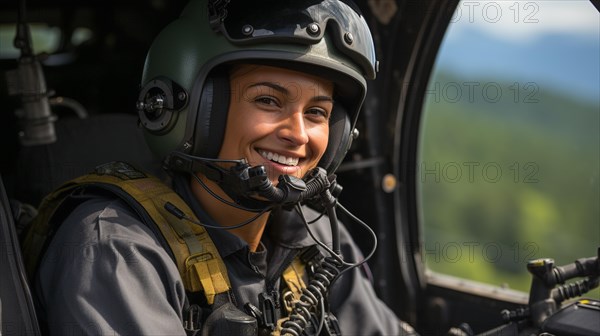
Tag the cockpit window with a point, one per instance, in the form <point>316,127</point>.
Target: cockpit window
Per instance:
<point>44,38</point>
<point>509,152</point>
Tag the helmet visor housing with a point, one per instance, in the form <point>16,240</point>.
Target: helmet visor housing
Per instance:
<point>300,22</point>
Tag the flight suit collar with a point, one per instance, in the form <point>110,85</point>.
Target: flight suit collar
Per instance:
<point>284,227</point>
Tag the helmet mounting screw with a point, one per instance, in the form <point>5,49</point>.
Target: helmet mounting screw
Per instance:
<point>181,95</point>
<point>313,29</point>
<point>247,30</point>
<point>348,38</point>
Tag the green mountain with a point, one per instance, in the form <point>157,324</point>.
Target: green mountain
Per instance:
<point>508,172</point>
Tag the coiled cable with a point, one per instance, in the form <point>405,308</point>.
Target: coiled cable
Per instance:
<point>312,296</point>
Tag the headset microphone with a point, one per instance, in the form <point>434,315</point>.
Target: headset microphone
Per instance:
<point>250,187</point>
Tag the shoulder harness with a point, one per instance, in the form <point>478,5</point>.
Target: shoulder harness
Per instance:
<point>197,258</point>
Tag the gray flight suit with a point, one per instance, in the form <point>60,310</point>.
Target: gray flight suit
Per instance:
<point>106,273</point>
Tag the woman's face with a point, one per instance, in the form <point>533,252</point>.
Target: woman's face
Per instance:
<point>278,118</point>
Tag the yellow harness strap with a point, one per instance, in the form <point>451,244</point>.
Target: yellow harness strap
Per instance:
<point>198,260</point>
<point>293,278</point>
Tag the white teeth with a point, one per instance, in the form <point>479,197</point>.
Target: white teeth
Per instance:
<point>289,161</point>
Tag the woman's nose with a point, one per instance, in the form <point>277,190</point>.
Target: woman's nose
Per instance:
<point>293,130</point>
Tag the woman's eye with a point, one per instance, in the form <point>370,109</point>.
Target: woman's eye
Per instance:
<point>266,101</point>
<point>318,113</point>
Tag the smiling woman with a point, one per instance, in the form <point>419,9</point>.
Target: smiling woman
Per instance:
<point>249,132</point>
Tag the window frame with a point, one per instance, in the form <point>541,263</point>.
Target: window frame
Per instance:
<point>481,301</point>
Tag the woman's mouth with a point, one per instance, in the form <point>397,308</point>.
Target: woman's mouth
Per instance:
<point>278,158</point>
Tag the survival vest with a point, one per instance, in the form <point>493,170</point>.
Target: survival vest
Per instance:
<point>197,258</point>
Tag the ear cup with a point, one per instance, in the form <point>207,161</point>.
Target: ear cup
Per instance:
<point>211,117</point>
<point>158,103</point>
<point>340,139</point>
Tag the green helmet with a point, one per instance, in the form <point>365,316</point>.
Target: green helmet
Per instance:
<point>184,99</point>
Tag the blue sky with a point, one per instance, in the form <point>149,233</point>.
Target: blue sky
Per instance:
<point>555,44</point>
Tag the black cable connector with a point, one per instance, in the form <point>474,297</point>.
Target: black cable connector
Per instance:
<point>175,211</point>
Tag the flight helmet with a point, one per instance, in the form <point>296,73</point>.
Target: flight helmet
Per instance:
<point>184,97</point>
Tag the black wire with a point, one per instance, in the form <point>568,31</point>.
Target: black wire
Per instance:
<point>349,266</point>
<point>322,317</point>
<point>335,232</point>
<point>244,223</point>
<point>318,217</point>
<point>320,243</point>
<point>221,199</point>
<point>330,251</point>
<point>373,235</point>
<point>195,158</point>
<point>213,194</point>
<point>331,272</point>
<point>366,227</point>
